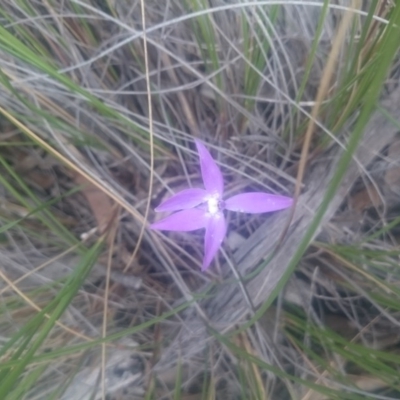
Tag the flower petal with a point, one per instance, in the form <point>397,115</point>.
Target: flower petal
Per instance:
<point>257,202</point>
<point>215,233</point>
<point>186,220</point>
<point>188,198</point>
<point>210,172</point>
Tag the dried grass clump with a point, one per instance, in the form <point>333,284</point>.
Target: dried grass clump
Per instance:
<point>86,156</point>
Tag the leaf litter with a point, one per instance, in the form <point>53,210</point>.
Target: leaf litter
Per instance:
<point>245,143</point>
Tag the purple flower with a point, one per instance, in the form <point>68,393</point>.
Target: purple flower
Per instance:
<point>203,208</point>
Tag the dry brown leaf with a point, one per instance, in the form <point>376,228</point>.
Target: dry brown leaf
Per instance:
<point>42,179</point>
<point>100,204</point>
<point>365,198</point>
<point>34,168</point>
<point>368,383</point>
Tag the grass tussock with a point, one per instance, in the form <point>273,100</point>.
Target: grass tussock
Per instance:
<point>100,102</point>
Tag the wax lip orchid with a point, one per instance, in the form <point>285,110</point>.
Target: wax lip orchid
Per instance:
<point>204,208</point>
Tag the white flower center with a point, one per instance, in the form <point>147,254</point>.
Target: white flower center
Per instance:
<point>213,205</point>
